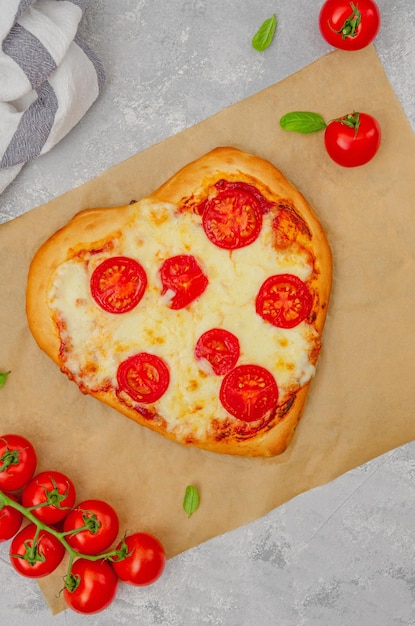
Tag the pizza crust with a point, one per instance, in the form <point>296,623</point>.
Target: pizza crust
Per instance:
<point>90,227</point>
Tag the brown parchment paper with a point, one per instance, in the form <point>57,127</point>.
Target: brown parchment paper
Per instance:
<point>362,401</point>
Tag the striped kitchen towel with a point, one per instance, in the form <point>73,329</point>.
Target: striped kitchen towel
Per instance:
<point>49,78</point>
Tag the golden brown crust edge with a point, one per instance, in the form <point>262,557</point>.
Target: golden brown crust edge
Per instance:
<point>264,444</point>
<point>91,225</point>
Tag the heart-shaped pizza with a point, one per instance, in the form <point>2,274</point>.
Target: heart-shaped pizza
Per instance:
<point>197,311</point>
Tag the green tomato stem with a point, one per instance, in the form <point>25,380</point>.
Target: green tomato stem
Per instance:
<point>75,531</point>
<point>10,457</point>
<point>350,25</point>
<point>352,120</point>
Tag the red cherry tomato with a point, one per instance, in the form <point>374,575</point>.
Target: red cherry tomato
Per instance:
<point>91,586</point>
<point>232,219</point>
<point>118,284</point>
<point>349,25</point>
<point>100,523</point>
<point>144,377</point>
<point>17,462</point>
<point>183,277</point>
<point>145,561</point>
<point>284,301</point>
<point>220,348</point>
<point>35,559</point>
<point>353,139</point>
<point>10,521</point>
<point>53,486</point>
<point>249,392</point>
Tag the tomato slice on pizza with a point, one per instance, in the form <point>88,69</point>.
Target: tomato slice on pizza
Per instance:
<point>232,219</point>
<point>284,300</point>
<point>249,392</point>
<point>183,279</point>
<point>118,284</point>
<point>220,348</point>
<point>144,377</point>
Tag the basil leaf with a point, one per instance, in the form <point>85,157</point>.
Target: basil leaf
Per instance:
<point>265,34</point>
<point>302,122</point>
<point>191,500</point>
<point>3,376</point>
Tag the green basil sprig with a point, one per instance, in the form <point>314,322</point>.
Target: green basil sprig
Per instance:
<point>302,122</point>
<point>265,34</point>
<point>3,376</point>
<point>191,500</point>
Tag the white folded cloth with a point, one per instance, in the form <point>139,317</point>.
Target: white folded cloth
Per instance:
<point>49,78</point>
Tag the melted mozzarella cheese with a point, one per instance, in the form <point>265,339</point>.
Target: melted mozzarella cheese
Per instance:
<point>98,341</point>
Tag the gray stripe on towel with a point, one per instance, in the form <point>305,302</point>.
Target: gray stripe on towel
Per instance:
<point>29,54</point>
<point>33,129</point>
<point>23,6</point>
<point>94,60</point>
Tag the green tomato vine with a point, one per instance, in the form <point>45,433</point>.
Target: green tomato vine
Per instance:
<point>92,524</point>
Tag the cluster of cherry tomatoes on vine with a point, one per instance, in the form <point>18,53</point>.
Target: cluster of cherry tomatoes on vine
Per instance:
<point>56,525</point>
